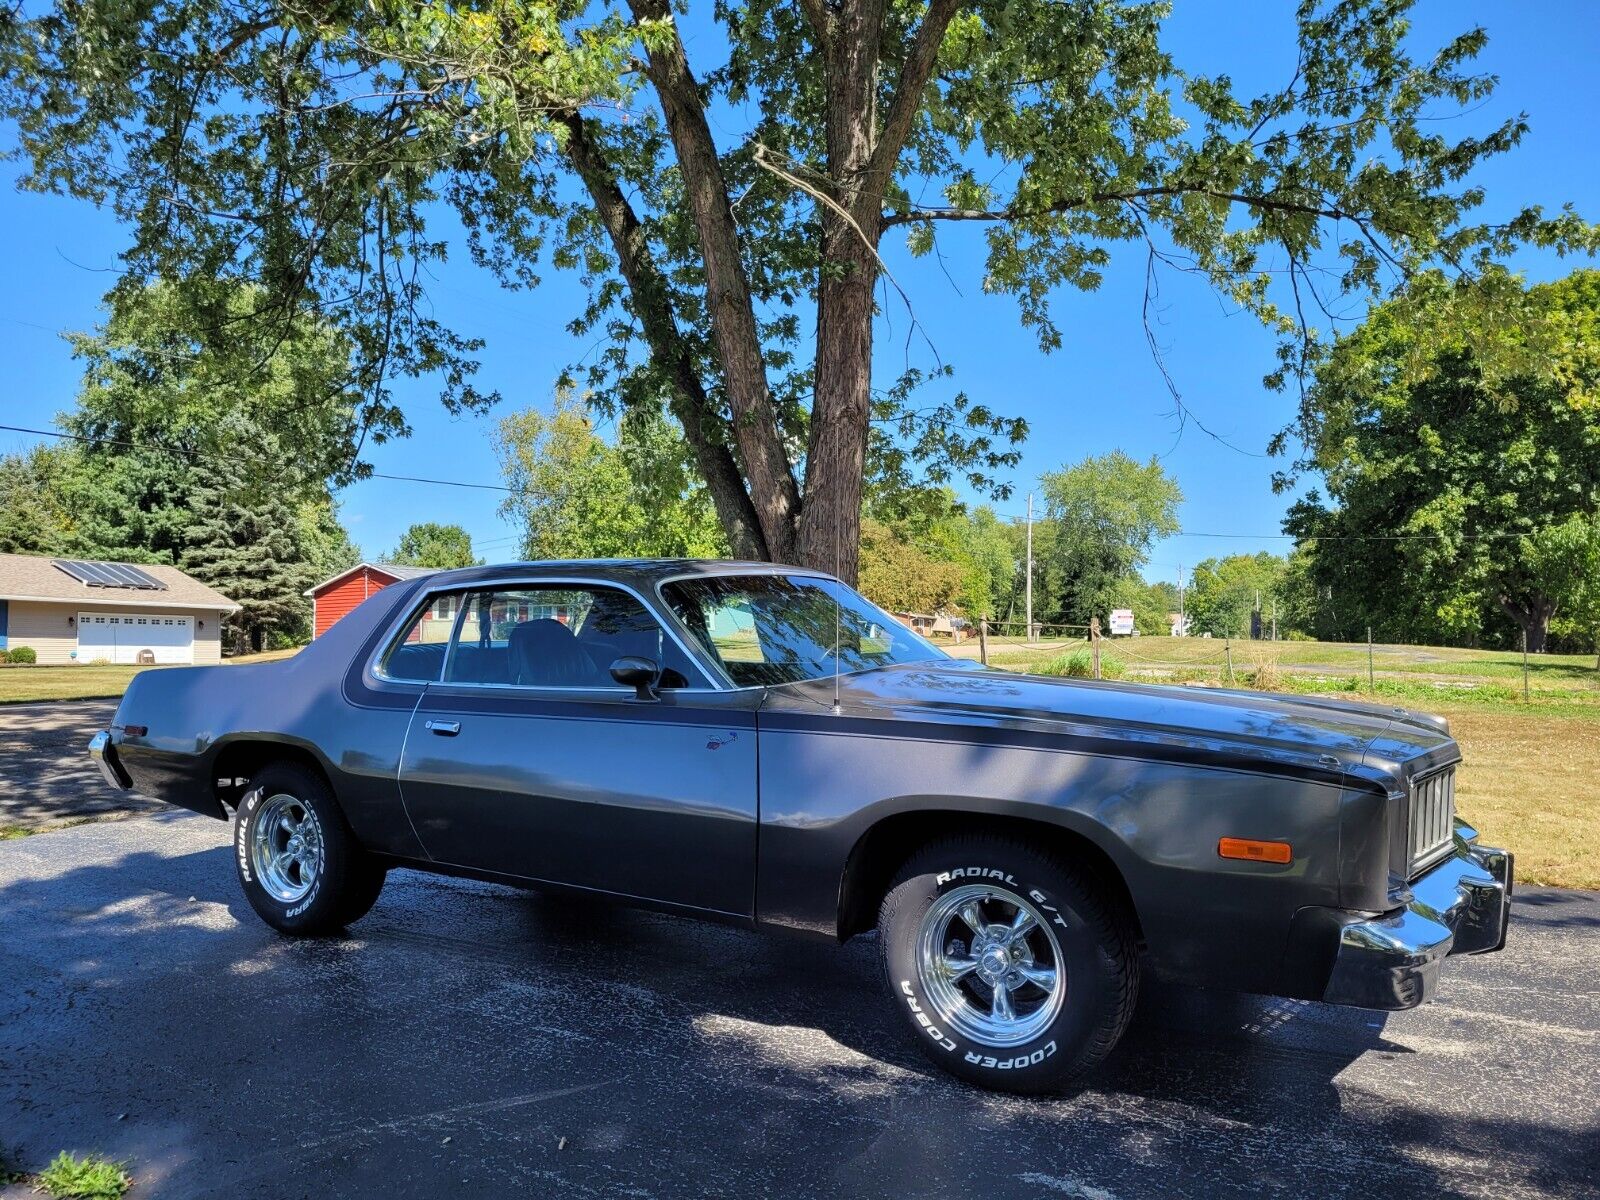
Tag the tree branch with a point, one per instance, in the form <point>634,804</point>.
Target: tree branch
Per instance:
<point>820,19</point>
<point>914,75</point>
<point>773,489</point>
<point>1273,203</point>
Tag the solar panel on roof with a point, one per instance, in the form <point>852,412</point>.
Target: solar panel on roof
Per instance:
<point>110,574</point>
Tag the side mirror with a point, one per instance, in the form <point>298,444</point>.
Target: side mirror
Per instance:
<point>641,674</point>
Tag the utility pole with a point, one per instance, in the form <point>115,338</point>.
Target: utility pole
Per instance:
<point>1183,625</point>
<point>1028,586</point>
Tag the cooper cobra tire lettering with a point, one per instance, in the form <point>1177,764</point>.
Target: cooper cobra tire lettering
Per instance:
<point>1093,940</point>
<point>1011,1064</point>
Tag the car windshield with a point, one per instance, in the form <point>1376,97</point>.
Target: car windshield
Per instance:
<point>769,629</point>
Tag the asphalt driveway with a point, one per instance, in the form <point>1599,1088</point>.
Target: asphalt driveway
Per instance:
<point>45,773</point>
<point>474,1040</point>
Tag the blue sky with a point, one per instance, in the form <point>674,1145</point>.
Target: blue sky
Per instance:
<point>1099,392</point>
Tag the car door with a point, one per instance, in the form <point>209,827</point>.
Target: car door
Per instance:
<point>526,759</point>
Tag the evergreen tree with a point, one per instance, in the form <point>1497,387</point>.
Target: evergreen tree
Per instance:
<point>251,549</point>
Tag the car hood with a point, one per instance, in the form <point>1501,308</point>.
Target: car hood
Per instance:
<point>1166,720</point>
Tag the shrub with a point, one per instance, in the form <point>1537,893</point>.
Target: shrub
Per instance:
<point>1080,665</point>
<point>1265,675</point>
<point>88,1178</point>
<point>26,655</point>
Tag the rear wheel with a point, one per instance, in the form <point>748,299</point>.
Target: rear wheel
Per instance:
<point>1011,967</point>
<point>298,862</point>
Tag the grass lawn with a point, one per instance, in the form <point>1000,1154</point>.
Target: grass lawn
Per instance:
<point>19,684</point>
<point>1531,776</point>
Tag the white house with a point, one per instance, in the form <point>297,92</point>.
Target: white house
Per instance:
<point>79,611</point>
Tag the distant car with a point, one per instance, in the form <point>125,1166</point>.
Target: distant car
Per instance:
<point>758,744</point>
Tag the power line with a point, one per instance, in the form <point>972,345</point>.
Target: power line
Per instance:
<point>178,451</point>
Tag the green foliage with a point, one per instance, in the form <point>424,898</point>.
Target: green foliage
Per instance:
<point>307,153</point>
<point>183,374</point>
<point>1103,514</point>
<point>934,527</point>
<point>23,655</point>
<point>36,512</point>
<point>901,576</point>
<point>212,457</point>
<point>1150,602</point>
<point>91,1177</point>
<point>1079,664</point>
<point>326,543</point>
<point>576,496</point>
<point>1458,432</point>
<point>441,547</point>
<point>1223,592</point>
<point>249,548</point>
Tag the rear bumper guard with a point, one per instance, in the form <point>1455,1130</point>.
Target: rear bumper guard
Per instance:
<point>103,749</point>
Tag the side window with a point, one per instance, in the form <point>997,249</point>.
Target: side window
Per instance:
<point>418,653</point>
<point>558,636</point>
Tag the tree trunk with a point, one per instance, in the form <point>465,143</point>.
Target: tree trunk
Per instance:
<point>841,410</point>
<point>830,516</point>
<point>1533,615</point>
<point>652,303</point>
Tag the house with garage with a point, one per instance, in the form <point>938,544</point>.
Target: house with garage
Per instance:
<point>336,597</point>
<point>80,611</point>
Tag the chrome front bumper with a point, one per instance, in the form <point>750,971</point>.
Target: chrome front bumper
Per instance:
<point>1462,906</point>
<point>103,749</point>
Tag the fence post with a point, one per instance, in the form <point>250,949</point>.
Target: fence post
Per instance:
<point>983,640</point>
<point>1094,640</point>
<point>1227,649</point>
<point>1525,696</point>
<point>1371,683</point>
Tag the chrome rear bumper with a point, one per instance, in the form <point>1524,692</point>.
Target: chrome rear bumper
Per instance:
<point>1461,906</point>
<point>103,749</point>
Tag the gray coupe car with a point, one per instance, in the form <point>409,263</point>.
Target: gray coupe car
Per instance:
<point>759,744</point>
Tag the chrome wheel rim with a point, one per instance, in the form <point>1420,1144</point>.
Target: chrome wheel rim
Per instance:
<point>286,847</point>
<point>990,965</point>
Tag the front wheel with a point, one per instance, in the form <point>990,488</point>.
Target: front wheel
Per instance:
<point>1011,967</point>
<point>300,866</point>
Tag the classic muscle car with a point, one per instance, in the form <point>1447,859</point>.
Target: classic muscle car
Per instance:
<point>759,744</point>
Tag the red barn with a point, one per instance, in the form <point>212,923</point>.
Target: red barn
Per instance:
<point>333,598</point>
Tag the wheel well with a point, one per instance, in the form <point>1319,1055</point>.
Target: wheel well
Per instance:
<point>238,762</point>
<point>884,848</point>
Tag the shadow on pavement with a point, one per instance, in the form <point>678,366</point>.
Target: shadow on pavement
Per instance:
<point>471,1039</point>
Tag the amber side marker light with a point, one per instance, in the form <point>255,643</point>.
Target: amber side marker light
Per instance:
<point>1254,851</point>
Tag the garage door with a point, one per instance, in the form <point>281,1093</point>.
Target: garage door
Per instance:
<point>122,637</point>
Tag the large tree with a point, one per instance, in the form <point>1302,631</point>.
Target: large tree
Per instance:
<point>731,214</point>
<point>1103,514</point>
<point>1224,592</point>
<point>430,544</point>
<point>252,550</point>
<point>37,514</point>
<point>1458,434</point>
<point>575,495</point>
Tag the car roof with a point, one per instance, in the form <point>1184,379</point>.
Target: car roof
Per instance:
<point>639,572</point>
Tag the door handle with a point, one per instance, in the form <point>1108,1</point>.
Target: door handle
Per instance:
<point>444,728</point>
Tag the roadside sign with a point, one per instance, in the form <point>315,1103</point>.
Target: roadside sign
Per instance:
<point>1121,622</point>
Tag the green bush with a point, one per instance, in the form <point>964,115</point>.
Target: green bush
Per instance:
<point>1080,665</point>
<point>87,1178</point>
<point>26,655</point>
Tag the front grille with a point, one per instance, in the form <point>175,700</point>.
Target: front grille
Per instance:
<point>1433,811</point>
